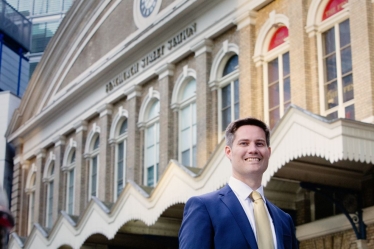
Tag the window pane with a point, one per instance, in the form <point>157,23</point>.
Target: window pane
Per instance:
<point>186,158</point>
<point>329,41</point>
<point>185,139</point>
<point>333,115</point>
<point>346,60</point>
<point>150,176</point>
<point>345,36</point>
<point>72,159</point>
<point>287,89</point>
<point>194,164</point>
<point>286,64</point>
<point>154,110</point>
<point>273,95</point>
<point>94,176</point>
<point>273,71</point>
<point>330,64</point>
<point>274,116</point>
<point>350,112</point>
<point>123,128</point>
<point>226,96</point>
<point>331,91</point>
<point>70,191</point>
<point>231,65</point>
<point>226,118</point>
<point>236,99</point>
<point>189,90</point>
<point>347,88</point>
<point>96,143</point>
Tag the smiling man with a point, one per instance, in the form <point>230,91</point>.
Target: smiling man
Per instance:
<point>238,215</point>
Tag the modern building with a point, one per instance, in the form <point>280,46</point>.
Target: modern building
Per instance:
<point>123,119</point>
<point>45,16</point>
<point>15,32</point>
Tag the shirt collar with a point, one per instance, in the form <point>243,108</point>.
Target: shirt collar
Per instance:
<point>242,190</point>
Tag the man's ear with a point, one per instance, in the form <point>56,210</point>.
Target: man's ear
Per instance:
<point>269,151</point>
<point>228,152</point>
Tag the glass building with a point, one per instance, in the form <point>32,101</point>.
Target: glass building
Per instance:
<point>45,16</point>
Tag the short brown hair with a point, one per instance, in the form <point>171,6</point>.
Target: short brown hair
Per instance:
<point>234,126</point>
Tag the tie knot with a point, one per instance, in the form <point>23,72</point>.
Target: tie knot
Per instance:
<point>255,196</point>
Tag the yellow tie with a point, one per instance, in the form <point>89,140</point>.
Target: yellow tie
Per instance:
<point>263,229</point>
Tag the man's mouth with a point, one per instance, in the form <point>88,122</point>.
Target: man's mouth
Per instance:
<point>252,159</point>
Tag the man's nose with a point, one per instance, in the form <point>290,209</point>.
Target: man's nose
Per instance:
<point>252,148</point>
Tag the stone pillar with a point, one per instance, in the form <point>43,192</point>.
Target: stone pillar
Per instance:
<point>19,197</point>
<point>105,164</point>
<point>133,155</point>
<point>40,191</point>
<point>165,77</point>
<point>59,185</point>
<point>80,184</point>
<point>203,57</point>
<point>250,87</point>
<point>303,88</point>
<point>362,45</point>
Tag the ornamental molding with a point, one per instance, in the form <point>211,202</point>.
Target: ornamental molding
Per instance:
<point>301,133</point>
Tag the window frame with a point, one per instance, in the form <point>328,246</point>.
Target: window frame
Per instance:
<point>94,155</point>
<point>120,138</point>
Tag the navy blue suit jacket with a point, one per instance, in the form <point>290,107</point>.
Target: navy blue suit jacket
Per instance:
<point>217,220</point>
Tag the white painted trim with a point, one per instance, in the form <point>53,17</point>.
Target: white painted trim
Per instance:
<point>95,129</point>
<point>183,78</point>
<point>219,62</point>
<point>265,34</point>
<point>120,116</point>
<point>72,146</point>
<point>50,161</point>
<point>152,94</point>
<point>32,171</point>
<point>334,224</point>
<point>330,140</point>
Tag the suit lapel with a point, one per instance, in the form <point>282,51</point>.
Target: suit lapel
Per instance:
<point>277,224</point>
<point>229,198</point>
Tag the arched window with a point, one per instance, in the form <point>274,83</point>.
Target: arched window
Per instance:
<point>70,183</point>
<point>272,53</point>
<point>50,185</point>
<point>187,123</point>
<point>329,20</point>
<point>229,92</point>
<point>94,165</point>
<point>278,77</point>
<point>120,162</point>
<point>337,61</point>
<point>151,143</point>
<point>30,190</point>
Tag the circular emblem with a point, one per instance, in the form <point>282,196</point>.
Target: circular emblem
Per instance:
<point>147,7</point>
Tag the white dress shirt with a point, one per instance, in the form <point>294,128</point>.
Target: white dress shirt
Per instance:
<point>242,192</point>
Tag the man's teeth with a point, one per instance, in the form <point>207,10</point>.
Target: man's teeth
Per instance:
<point>253,159</point>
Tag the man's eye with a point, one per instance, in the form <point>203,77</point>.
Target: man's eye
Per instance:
<point>260,144</point>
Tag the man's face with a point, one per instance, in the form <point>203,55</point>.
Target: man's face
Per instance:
<point>249,154</point>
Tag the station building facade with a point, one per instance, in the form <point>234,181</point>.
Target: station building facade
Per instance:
<point>124,116</point>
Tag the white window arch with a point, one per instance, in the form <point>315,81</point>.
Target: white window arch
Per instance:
<point>149,121</point>
<point>184,101</point>
<point>49,177</point>
<point>329,21</point>
<point>225,77</point>
<point>118,135</point>
<point>272,52</point>
<point>92,153</point>
<point>30,190</point>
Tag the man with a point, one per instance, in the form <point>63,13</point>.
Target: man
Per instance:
<point>227,218</point>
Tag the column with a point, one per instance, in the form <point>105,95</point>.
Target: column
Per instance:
<point>80,184</point>
<point>40,191</point>
<point>165,77</point>
<point>250,76</point>
<point>205,133</point>
<point>105,163</point>
<point>134,139</point>
<point>304,80</point>
<point>362,45</point>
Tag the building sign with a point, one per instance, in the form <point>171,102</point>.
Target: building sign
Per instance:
<point>151,57</point>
